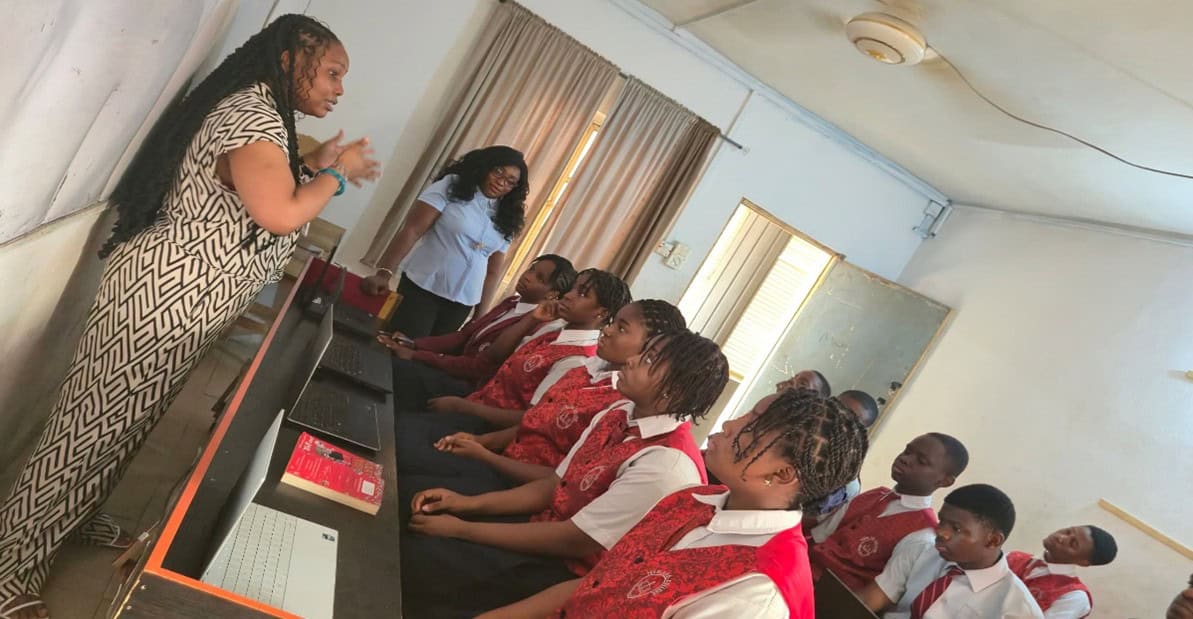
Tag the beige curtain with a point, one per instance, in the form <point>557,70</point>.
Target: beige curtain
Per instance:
<point>629,189</point>
<point>530,86</point>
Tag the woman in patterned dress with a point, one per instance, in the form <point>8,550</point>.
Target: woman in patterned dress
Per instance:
<point>208,213</point>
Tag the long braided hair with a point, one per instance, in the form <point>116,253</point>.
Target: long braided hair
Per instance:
<point>139,194</point>
<point>660,317</point>
<point>612,293</point>
<point>822,439</point>
<point>697,372</point>
<point>471,169</point>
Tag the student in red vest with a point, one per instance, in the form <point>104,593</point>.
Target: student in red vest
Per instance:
<point>856,540</point>
<point>725,551</point>
<point>963,572</point>
<point>1053,580</point>
<point>1182,604</point>
<point>532,449</point>
<point>454,363</point>
<point>632,454</point>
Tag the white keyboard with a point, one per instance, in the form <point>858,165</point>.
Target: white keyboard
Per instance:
<point>257,564</point>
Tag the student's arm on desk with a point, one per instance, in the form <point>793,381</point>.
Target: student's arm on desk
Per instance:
<point>891,584</point>
<point>485,447</point>
<point>553,539</point>
<point>536,606</point>
<point>501,417</point>
<point>874,598</point>
<point>528,498</point>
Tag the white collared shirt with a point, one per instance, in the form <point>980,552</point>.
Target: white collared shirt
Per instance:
<point>546,327</point>
<point>642,480</point>
<point>906,503</point>
<point>991,593</point>
<point>573,337</point>
<point>753,595</point>
<point>519,309</point>
<point>1072,605</point>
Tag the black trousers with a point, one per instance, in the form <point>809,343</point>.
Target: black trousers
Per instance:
<point>450,578</point>
<point>415,383</point>
<point>422,313</point>
<point>414,440</point>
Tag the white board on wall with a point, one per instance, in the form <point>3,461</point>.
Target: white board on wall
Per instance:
<point>83,82</point>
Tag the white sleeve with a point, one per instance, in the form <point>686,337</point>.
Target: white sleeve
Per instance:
<point>1072,605</point>
<point>894,577</point>
<point>556,372</point>
<point>655,473</point>
<point>755,596</point>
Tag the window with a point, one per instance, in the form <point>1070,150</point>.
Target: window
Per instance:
<point>749,289</point>
<point>514,267</point>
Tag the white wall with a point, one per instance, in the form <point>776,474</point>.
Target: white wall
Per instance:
<point>1062,371</point>
<point>405,53</point>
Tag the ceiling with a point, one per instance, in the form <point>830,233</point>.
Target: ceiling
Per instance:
<point>1114,73</point>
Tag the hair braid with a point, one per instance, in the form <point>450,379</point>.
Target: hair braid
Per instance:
<point>139,194</point>
<point>697,372</point>
<point>612,293</point>
<point>823,440</point>
<point>660,317</point>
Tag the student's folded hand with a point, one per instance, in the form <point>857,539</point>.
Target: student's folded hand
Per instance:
<point>447,404</point>
<point>441,525</point>
<point>444,444</point>
<point>438,501</point>
<point>467,447</point>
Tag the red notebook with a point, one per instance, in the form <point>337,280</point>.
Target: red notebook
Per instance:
<point>332,473</point>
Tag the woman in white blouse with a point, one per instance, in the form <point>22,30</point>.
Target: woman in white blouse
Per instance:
<point>451,247</point>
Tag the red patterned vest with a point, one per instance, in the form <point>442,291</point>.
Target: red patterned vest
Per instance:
<point>641,577</point>
<point>596,463</point>
<point>1048,588</point>
<point>859,549</point>
<point>517,379</point>
<point>550,428</point>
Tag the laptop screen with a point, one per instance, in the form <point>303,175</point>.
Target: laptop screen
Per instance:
<point>312,356</point>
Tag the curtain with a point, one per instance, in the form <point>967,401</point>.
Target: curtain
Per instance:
<point>530,86</point>
<point>629,189</point>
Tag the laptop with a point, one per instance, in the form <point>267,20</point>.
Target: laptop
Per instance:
<point>834,599</point>
<point>270,556</point>
<point>326,408</point>
<point>348,318</point>
<point>360,361</point>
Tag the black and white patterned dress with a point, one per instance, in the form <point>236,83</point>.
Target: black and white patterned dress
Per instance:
<point>165,296</point>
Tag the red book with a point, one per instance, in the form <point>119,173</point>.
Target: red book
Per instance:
<point>332,473</point>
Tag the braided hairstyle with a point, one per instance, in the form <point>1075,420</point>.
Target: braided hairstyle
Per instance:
<point>660,317</point>
<point>139,194</point>
<point>697,372</point>
<point>564,276</point>
<point>612,293</point>
<point>470,171</point>
<point>822,439</point>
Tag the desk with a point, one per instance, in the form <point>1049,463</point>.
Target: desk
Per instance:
<point>367,570</point>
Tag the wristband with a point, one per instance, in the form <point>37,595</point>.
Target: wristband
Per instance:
<point>339,177</point>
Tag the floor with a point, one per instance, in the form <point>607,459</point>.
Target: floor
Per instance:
<point>83,581</point>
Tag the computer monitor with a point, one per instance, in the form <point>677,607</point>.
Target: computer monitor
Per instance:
<point>313,356</point>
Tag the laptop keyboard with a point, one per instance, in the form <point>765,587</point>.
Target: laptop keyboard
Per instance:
<point>259,560</point>
<point>343,357</point>
<point>322,408</point>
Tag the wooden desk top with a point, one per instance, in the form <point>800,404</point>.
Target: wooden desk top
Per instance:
<point>367,570</point>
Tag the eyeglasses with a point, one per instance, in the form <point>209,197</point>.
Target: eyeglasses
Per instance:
<point>508,181</point>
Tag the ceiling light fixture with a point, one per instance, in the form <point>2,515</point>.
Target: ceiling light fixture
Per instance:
<point>886,38</point>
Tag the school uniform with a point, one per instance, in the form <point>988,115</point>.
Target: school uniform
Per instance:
<point>856,541</point>
<point>689,557</point>
<point>520,380</point>
<point>1055,587</point>
<point>925,586</point>
<point>620,468</point>
<point>453,363</point>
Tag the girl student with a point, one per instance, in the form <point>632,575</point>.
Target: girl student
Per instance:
<point>631,455</point>
<point>735,550</point>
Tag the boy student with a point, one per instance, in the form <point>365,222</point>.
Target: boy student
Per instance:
<point>1182,604</point>
<point>725,551</point>
<point>965,573</point>
<point>631,455</point>
<point>1053,580</point>
<point>811,380</point>
<point>862,405</point>
<point>856,540</point>
<point>547,431</point>
<point>453,364</point>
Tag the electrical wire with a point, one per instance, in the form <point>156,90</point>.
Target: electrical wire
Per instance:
<point>1054,130</point>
